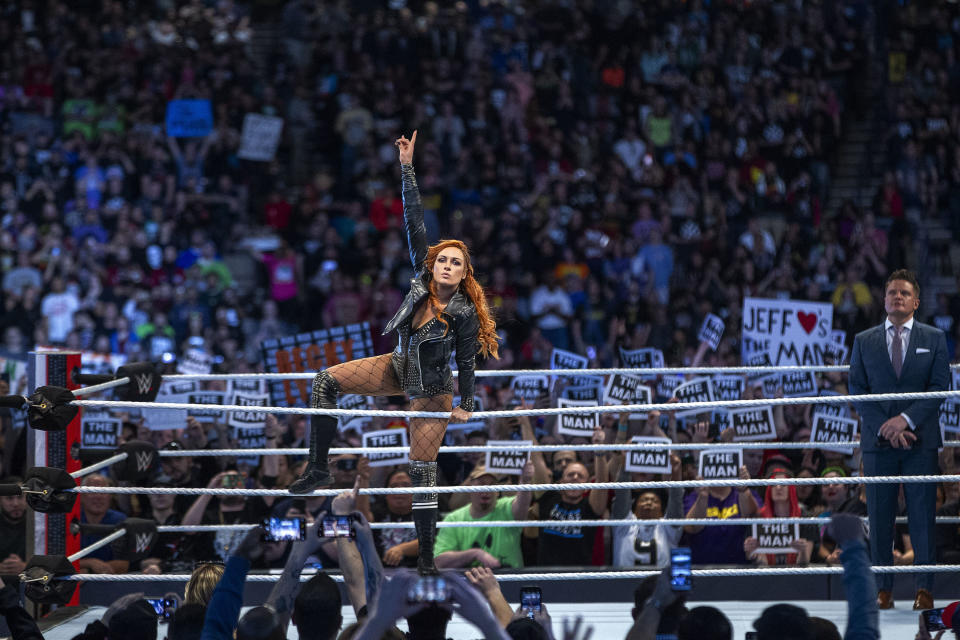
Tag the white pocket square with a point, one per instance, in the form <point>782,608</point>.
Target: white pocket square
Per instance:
<point>922,350</point>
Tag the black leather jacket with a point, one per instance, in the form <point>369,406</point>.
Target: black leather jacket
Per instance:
<point>431,355</point>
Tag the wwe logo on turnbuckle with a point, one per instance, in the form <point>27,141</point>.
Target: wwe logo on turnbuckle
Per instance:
<point>142,541</point>
<point>144,460</point>
<point>144,382</point>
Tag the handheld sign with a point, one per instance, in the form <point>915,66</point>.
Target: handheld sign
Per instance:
<point>250,419</point>
<point>260,137</point>
<point>668,385</point>
<point>950,416</point>
<point>954,380</point>
<point>721,465</point>
<point>529,387</point>
<point>649,460</point>
<point>838,336</point>
<point>99,432</point>
<point>560,359</point>
<point>835,353</point>
<point>798,383</point>
<point>728,387</point>
<point>386,438</point>
<point>776,537</point>
<point>507,460</point>
<point>195,361</point>
<point>189,118</point>
<point>770,384</point>
<point>711,331</point>
<point>207,397</point>
<point>721,418</point>
<point>831,410</point>
<point>579,424</point>
<point>592,393</point>
<point>791,331</point>
<point>696,390</point>
<point>753,423</point>
<point>354,401</point>
<point>245,385</point>
<point>827,429</point>
<point>647,358</point>
<point>621,388</point>
<point>624,388</point>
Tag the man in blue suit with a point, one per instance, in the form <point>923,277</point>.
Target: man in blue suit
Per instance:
<point>900,437</point>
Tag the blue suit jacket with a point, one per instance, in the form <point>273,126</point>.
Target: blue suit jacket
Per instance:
<point>926,367</point>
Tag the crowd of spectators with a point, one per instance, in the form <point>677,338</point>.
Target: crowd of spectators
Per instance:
<point>619,170</point>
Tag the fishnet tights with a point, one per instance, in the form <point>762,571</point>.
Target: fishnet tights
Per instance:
<point>375,376</point>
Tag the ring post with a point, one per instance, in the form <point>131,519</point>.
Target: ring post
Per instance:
<point>47,534</point>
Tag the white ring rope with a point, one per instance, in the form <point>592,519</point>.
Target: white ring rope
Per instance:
<point>573,575</point>
<point>497,373</point>
<point>79,473</point>
<point>499,524</point>
<point>116,535</point>
<point>673,406</point>
<point>635,446</point>
<point>510,488</point>
<point>95,388</point>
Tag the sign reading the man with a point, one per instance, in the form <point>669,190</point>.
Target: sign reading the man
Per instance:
<point>207,397</point>
<point>647,358</point>
<point>591,392</point>
<point>831,409</point>
<point>775,537</point>
<point>950,416</point>
<point>753,423</point>
<point>577,424</point>
<point>827,429</point>
<point>798,383</point>
<point>649,460</point>
<point>623,388</point>
<point>728,387</point>
<point>560,359</point>
<point>353,402</point>
<point>668,384</point>
<point>386,438</point>
<point>245,385</point>
<point>711,331</point>
<point>721,465</point>
<point>696,390</point>
<point>100,432</point>
<point>507,460</point>
<point>250,419</point>
<point>529,388</point>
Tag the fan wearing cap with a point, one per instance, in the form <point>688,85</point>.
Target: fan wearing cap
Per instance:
<point>780,501</point>
<point>490,547</point>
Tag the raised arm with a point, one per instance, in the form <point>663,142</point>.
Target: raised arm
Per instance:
<point>412,205</point>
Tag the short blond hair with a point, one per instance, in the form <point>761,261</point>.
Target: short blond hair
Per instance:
<point>201,584</point>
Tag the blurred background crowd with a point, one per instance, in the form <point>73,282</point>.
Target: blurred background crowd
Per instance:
<point>618,169</point>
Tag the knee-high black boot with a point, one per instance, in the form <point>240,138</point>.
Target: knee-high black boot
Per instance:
<point>323,429</point>
<point>424,474</point>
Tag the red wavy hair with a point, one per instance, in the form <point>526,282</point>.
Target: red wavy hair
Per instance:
<point>487,334</point>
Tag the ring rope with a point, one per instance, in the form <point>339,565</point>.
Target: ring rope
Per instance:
<point>116,535</point>
<point>497,524</point>
<point>510,488</point>
<point>79,473</point>
<point>95,388</point>
<point>573,575</point>
<point>636,446</point>
<point>673,406</point>
<point>497,373</point>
